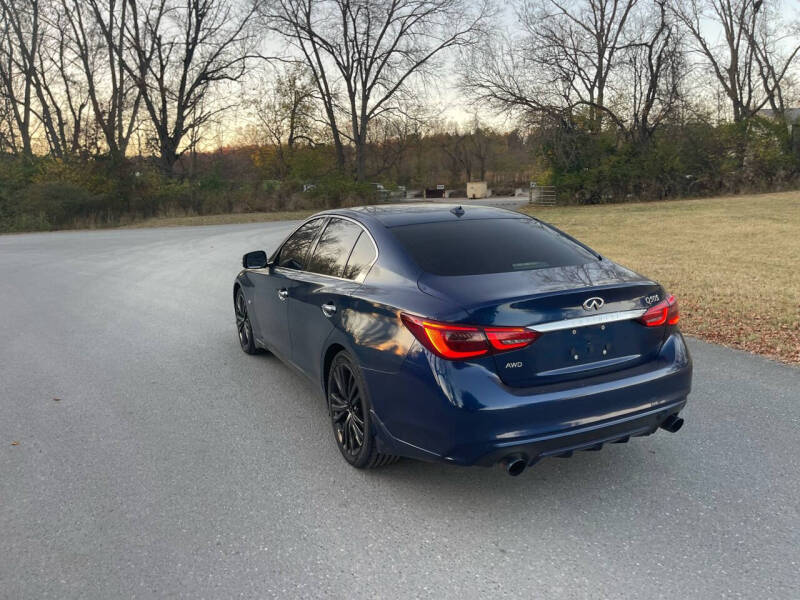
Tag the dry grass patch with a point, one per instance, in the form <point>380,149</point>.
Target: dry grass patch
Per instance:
<point>732,262</point>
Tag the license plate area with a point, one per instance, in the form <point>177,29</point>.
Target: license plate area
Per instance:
<point>576,352</point>
<point>590,343</point>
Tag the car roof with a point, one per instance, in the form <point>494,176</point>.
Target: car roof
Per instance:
<point>393,215</point>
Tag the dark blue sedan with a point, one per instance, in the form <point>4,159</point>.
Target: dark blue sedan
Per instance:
<point>466,335</point>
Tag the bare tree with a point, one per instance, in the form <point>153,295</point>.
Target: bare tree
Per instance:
<point>499,72</point>
<point>653,71</point>
<point>8,121</point>
<point>96,33</point>
<point>64,100</point>
<point>47,45</point>
<point>584,64</point>
<point>745,61</point>
<point>564,60</point>
<point>577,44</point>
<point>179,53</point>
<point>7,133</point>
<point>453,144</point>
<point>775,51</point>
<point>481,142</point>
<point>390,137</point>
<point>21,35</point>
<point>365,54</point>
<point>469,150</point>
<point>284,110</point>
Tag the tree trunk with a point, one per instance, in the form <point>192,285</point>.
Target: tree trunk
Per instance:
<point>361,147</point>
<point>340,158</point>
<point>168,157</point>
<point>360,163</point>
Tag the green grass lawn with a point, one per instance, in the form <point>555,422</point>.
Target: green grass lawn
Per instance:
<point>732,262</point>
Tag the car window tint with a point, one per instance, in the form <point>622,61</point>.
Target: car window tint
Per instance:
<point>360,258</point>
<point>294,251</point>
<point>333,248</point>
<point>479,246</point>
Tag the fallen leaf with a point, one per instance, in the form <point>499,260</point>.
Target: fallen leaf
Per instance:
<point>15,443</point>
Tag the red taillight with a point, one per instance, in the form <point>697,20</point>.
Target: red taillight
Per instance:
<point>509,338</point>
<point>457,342</point>
<point>673,315</point>
<point>665,311</point>
<point>448,341</point>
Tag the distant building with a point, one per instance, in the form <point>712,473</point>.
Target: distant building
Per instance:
<point>437,192</point>
<point>477,189</point>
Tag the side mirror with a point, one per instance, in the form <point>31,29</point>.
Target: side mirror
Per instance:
<point>255,260</point>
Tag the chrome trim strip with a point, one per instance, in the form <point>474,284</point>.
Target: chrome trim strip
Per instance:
<point>600,364</point>
<point>599,319</point>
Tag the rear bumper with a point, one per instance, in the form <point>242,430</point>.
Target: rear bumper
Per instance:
<point>582,438</point>
<point>463,414</point>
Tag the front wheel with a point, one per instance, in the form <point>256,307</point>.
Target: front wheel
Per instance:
<point>349,407</point>
<point>243,325</point>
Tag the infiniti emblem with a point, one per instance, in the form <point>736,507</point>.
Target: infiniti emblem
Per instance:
<point>594,303</point>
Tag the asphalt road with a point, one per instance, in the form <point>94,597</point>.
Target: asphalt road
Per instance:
<point>173,465</point>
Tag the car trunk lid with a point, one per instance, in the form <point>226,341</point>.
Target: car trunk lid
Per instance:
<point>585,314</point>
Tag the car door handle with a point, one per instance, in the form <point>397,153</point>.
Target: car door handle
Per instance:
<point>328,309</point>
<point>283,294</point>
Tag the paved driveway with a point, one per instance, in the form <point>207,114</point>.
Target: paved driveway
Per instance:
<point>175,465</point>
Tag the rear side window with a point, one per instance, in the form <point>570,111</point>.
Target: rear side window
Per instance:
<point>475,247</point>
<point>360,258</point>
<point>295,249</point>
<point>333,249</point>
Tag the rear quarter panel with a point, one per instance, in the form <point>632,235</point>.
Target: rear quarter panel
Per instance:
<point>372,327</point>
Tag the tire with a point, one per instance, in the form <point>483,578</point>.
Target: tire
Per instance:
<point>349,408</point>
<point>243,326</point>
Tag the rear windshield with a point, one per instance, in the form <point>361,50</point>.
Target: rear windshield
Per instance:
<point>474,247</point>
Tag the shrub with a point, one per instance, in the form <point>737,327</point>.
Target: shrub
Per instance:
<point>55,205</point>
<point>340,190</point>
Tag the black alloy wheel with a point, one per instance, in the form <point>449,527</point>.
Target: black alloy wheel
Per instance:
<point>349,407</point>
<point>347,410</point>
<point>243,326</point>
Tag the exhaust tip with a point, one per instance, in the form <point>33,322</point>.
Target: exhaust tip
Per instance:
<point>672,423</point>
<point>514,465</point>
